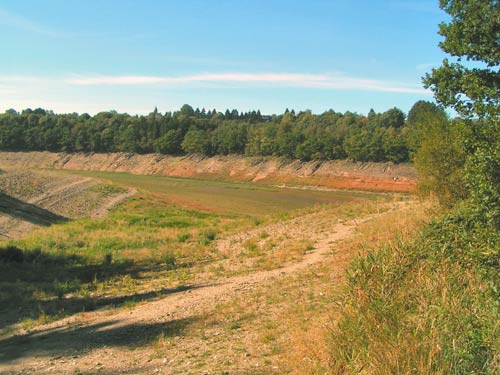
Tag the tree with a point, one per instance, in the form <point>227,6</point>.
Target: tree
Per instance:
<point>169,143</point>
<point>440,159</point>
<point>421,110</point>
<point>471,85</point>
<point>196,142</point>
<point>473,35</point>
<point>393,118</point>
<point>186,110</point>
<point>422,116</point>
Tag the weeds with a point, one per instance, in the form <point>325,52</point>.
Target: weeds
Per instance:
<point>183,237</point>
<point>428,305</point>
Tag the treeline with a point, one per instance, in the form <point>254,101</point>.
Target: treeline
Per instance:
<point>383,136</point>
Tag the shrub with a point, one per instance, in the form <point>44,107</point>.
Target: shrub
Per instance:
<point>170,260</point>
<point>108,259</point>
<point>440,162</point>
<point>208,236</point>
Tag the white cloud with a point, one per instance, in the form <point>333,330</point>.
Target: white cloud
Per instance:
<point>139,94</point>
<point>323,81</point>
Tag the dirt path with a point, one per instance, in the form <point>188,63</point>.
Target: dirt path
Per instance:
<point>52,199</point>
<point>104,209</point>
<point>119,341</point>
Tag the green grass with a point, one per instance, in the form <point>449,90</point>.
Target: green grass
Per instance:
<point>87,263</point>
<point>228,197</point>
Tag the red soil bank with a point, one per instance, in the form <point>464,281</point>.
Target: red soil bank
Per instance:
<point>334,174</point>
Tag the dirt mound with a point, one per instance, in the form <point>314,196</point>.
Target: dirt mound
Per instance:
<point>40,198</point>
<point>335,174</point>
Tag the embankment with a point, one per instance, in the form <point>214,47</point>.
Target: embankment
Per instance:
<point>334,174</point>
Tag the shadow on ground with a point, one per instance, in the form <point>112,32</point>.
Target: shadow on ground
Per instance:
<point>75,340</point>
<point>44,284</point>
<point>18,209</point>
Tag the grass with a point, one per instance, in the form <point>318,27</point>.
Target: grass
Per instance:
<point>419,298</point>
<point>318,297</point>
<point>159,239</point>
<point>228,197</point>
<point>281,326</point>
<point>87,263</point>
<point>424,305</point>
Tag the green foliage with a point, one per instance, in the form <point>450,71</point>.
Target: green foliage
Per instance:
<point>196,142</point>
<point>440,160</point>
<point>169,143</point>
<point>11,254</point>
<point>331,135</point>
<point>208,236</point>
<point>482,171</point>
<point>429,306</point>
<point>472,90</point>
<point>424,110</point>
<point>170,260</point>
<point>472,34</point>
<point>183,237</point>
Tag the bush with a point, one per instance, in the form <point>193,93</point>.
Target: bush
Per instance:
<point>208,236</point>
<point>107,260</point>
<point>440,162</point>
<point>170,260</point>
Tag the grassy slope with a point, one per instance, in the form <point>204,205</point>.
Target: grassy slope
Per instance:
<point>160,238</point>
<point>428,305</point>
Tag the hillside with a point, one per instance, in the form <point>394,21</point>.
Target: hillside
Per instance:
<point>31,199</point>
<point>333,174</point>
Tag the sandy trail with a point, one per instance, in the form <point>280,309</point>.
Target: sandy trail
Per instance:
<point>113,201</point>
<point>103,339</point>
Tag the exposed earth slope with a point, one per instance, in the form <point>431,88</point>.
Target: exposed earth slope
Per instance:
<point>269,170</point>
<point>30,199</point>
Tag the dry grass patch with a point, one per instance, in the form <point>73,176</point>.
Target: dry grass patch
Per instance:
<point>310,318</point>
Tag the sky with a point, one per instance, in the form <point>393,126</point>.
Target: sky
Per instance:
<point>132,56</point>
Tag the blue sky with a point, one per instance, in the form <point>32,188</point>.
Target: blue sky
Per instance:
<point>89,56</point>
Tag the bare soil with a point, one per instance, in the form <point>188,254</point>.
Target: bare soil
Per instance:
<point>269,170</point>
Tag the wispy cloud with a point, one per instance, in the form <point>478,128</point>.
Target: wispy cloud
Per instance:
<point>22,23</point>
<point>91,93</point>
<point>323,81</point>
